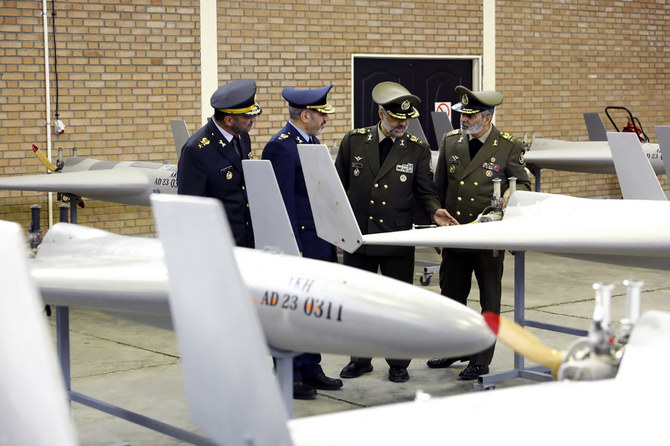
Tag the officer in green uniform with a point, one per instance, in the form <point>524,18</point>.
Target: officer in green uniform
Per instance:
<point>386,171</point>
<point>470,159</point>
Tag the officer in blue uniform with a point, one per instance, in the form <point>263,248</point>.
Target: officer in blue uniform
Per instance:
<point>308,114</point>
<point>470,158</point>
<point>386,172</point>
<point>210,164</point>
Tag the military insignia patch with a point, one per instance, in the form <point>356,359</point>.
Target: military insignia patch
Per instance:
<point>358,158</point>
<point>521,159</point>
<point>405,105</point>
<point>203,143</point>
<point>227,171</point>
<point>507,136</point>
<point>361,131</point>
<point>406,168</point>
<point>454,132</point>
<point>489,173</point>
<point>452,169</point>
<point>403,178</point>
<point>283,136</point>
<point>491,167</point>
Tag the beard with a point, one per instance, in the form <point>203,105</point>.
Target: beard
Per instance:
<point>319,131</point>
<point>472,129</point>
<point>241,126</point>
<point>396,131</point>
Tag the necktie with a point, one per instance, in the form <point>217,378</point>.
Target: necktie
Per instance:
<point>312,140</point>
<point>474,145</point>
<point>236,146</point>
<point>384,149</point>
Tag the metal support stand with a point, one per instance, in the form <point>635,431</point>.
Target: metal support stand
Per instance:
<point>63,350</point>
<point>63,343</point>
<point>63,325</point>
<point>73,208</point>
<point>284,372</point>
<point>133,417</point>
<point>537,373</point>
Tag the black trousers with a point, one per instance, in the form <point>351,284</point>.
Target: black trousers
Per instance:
<point>456,281</point>
<point>397,267</point>
<point>306,365</point>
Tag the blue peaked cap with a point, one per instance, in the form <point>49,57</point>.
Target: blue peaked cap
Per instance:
<point>316,99</point>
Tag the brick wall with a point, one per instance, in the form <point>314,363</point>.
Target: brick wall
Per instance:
<point>125,68</point>
<point>557,60</point>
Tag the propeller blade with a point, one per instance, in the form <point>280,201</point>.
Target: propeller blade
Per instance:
<point>524,342</point>
<point>43,158</point>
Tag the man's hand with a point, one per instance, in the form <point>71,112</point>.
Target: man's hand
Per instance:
<point>443,218</point>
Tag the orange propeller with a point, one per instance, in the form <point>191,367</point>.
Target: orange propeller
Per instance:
<point>523,342</point>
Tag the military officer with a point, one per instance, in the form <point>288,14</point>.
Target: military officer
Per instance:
<point>470,158</point>
<point>210,164</point>
<point>308,112</point>
<point>386,171</point>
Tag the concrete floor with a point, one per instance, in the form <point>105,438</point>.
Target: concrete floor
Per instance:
<point>137,367</point>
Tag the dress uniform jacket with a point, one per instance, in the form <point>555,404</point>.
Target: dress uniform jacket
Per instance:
<point>282,151</point>
<point>466,186</point>
<point>383,197</point>
<point>210,167</point>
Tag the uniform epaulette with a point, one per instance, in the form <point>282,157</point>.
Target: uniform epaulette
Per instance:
<point>203,142</point>
<point>361,131</point>
<point>419,141</point>
<point>507,136</point>
<point>454,132</point>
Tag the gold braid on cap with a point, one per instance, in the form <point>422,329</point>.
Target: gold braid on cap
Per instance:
<point>412,114</point>
<point>325,108</point>
<point>237,111</point>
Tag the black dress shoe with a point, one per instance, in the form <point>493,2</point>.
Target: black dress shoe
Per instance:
<point>473,371</point>
<point>355,369</point>
<point>442,363</point>
<point>322,382</point>
<point>302,391</point>
<point>398,374</point>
